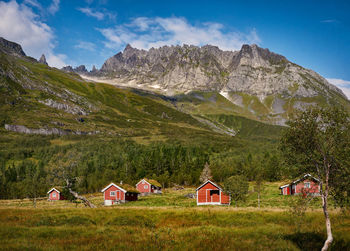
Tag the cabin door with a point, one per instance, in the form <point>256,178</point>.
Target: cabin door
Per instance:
<point>118,195</point>
<point>208,196</point>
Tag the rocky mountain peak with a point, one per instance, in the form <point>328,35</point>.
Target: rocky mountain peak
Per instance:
<point>80,69</point>
<point>42,60</point>
<point>93,70</point>
<point>9,47</point>
<point>251,70</point>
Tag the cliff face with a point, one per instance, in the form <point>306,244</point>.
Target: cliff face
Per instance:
<point>251,70</point>
<point>11,48</point>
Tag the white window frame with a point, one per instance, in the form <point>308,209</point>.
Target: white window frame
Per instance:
<point>54,195</point>
<point>145,187</point>
<point>112,193</point>
<point>307,185</point>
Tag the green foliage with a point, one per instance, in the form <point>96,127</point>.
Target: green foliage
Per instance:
<point>318,142</point>
<point>237,187</point>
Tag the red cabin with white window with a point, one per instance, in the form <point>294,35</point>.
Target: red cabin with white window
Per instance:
<point>210,193</point>
<point>305,185</point>
<point>55,194</point>
<point>115,194</point>
<point>147,186</point>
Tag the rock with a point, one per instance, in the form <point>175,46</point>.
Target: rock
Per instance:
<point>178,187</point>
<point>12,48</point>
<point>73,109</point>
<point>80,69</point>
<point>94,70</point>
<point>190,195</point>
<point>45,131</point>
<point>67,68</point>
<point>42,60</point>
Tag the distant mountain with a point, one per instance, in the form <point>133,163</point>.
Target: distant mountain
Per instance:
<point>261,84</point>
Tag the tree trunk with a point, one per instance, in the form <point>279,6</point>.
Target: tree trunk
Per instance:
<point>86,201</point>
<point>79,197</point>
<point>34,202</point>
<point>329,240</point>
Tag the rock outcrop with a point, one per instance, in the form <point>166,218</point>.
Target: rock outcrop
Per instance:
<point>45,131</point>
<point>12,48</point>
<point>73,109</point>
<point>42,60</point>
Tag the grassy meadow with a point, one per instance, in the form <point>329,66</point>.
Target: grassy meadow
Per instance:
<point>169,221</point>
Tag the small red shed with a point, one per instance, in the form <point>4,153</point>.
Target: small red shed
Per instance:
<point>121,193</point>
<point>55,194</point>
<point>210,193</point>
<point>306,184</point>
<point>147,186</point>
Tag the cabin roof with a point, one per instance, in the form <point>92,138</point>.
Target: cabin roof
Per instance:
<point>123,187</point>
<point>53,189</point>
<point>301,179</point>
<point>150,181</point>
<point>209,181</point>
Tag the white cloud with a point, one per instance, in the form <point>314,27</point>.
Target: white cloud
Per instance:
<point>89,12</point>
<point>330,21</point>
<point>144,33</point>
<point>33,3</point>
<point>20,24</point>
<point>97,14</point>
<point>344,85</point>
<point>86,46</point>
<point>54,7</point>
<point>51,9</point>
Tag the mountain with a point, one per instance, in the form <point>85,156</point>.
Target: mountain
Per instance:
<point>37,99</point>
<point>259,84</point>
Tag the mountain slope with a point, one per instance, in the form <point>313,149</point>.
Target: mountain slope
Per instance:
<point>37,99</point>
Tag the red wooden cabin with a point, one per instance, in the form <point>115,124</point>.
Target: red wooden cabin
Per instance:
<point>121,193</point>
<point>55,194</point>
<point>147,186</point>
<point>305,185</point>
<point>210,193</point>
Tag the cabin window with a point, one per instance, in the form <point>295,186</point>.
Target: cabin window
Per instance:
<point>146,187</point>
<point>307,185</point>
<point>112,193</point>
<point>54,195</point>
<point>212,192</point>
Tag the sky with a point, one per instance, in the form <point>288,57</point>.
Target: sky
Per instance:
<point>313,34</point>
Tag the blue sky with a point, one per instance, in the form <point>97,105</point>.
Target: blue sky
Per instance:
<point>313,34</point>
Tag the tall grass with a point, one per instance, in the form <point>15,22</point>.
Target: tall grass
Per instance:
<point>206,228</point>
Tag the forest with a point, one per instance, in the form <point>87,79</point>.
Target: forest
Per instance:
<point>27,160</point>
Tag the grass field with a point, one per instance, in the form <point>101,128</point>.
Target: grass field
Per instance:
<point>169,221</point>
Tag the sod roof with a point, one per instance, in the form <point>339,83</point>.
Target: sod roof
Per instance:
<point>153,182</point>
